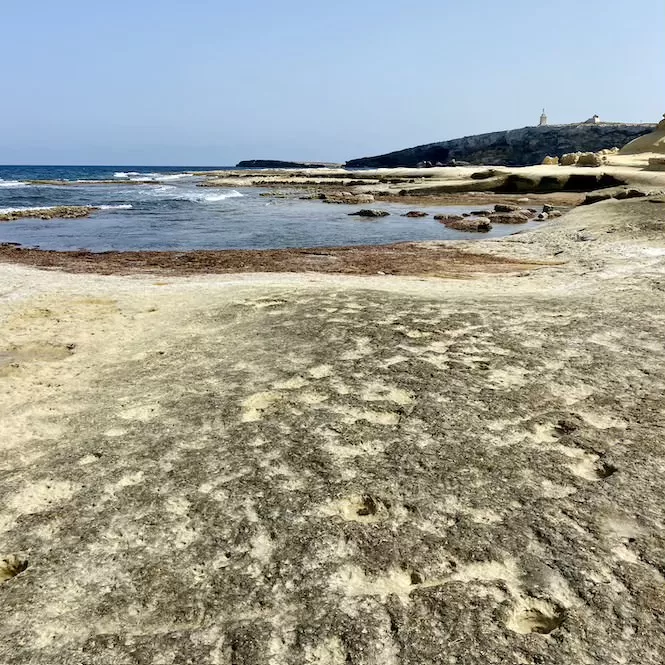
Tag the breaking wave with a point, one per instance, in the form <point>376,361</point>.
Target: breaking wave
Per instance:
<point>13,183</point>
<point>119,206</point>
<point>173,193</point>
<point>25,209</point>
<point>155,177</point>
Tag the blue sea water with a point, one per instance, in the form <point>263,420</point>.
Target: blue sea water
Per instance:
<point>173,213</point>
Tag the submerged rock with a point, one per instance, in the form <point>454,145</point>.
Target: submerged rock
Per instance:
<point>479,224</point>
<point>369,213</point>
<point>416,213</point>
<point>506,207</point>
<point>451,218</point>
<point>515,217</point>
<point>58,212</point>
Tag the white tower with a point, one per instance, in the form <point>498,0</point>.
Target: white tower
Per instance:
<point>543,119</point>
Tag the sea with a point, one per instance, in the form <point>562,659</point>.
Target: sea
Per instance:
<point>172,212</point>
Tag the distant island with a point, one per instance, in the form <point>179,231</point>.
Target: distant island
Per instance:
<point>278,164</point>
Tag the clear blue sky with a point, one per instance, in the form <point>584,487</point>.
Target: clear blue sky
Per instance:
<point>209,82</point>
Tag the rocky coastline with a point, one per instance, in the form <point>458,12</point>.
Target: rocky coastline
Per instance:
<point>516,147</point>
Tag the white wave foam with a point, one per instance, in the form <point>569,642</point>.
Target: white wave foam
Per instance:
<point>25,209</point>
<point>173,193</point>
<point>173,176</point>
<point>13,183</point>
<point>157,177</point>
<point>211,198</point>
<point>120,206</point>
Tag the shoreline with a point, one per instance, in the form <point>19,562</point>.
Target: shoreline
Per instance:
<point>191,448</point>
<point>408,258</point>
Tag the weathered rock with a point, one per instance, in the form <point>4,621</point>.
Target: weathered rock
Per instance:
<point>551,161</point>
<point>619,193</point>
<point>58,212</point>
<point>656,164</point>
<point>347,198</point>
<point>484,175</point>
<point>480,213</point>
<point>516,217</point>
<point>478,224</point>
<point>589,159</point>
<point>548,208</point>
<point>569,159</point>
<point>505,207</point>
<point>542,216</point>
<point>653,142</point>
<point>415,213</point>
<point>369,213</point>
<point>554,213</point>
<point>452,218</point>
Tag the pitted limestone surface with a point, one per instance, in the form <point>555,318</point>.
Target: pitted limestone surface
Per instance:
<point>343,477</point>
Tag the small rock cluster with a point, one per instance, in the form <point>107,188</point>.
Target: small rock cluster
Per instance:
<point>483,220</point>
<point>581,158</point>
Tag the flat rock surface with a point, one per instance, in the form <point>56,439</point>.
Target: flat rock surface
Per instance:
<point>328,469</point>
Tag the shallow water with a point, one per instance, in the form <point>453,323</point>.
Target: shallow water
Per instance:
<point>176,214</point>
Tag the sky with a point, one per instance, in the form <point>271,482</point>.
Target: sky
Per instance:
<point>211,82</point>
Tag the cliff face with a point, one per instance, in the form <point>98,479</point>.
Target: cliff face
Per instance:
<point>516,147</point>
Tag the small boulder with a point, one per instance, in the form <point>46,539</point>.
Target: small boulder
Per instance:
<point>509,218</point>
<point>480,213</point>
<point>548,208</point>
<point>569,159</point>
<point>551,161</point>
<point>484,175</point>
<point>589,159</point>
<point>448,218</point>
<point>415,213</point>
<point>630,193</point>
<point>542,216</point>
<point>369,213</point>
<point>554,213</point>
<point>479,224</point>
<point>505,207</point>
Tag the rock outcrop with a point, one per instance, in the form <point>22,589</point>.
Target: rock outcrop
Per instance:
<point>517,147</point>
<point>348,198</point>
<point>653,142</point>
<point>57,212</point>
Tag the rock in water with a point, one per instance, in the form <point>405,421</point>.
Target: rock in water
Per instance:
<point>415,213</point>
<point>57,212</point>
<point>346,197</point>
<point>515,217</point>
<point>449,218</point>
<point>369,213</point>
<point>480,224</point>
